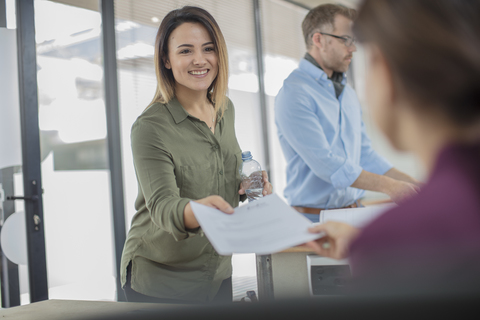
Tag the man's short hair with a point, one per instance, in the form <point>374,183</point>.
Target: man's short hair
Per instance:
<point>323,15</point>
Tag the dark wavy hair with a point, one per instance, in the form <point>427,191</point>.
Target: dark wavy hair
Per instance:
<point>433,50</point>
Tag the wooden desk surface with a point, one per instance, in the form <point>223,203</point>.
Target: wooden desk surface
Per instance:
<point>298,249</point>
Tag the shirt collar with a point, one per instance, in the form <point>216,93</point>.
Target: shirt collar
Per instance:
<point>313,71</point>
<point>176,110</point>
<point>336,76</point>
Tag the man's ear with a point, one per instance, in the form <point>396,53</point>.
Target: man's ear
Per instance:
<point>317,39</point>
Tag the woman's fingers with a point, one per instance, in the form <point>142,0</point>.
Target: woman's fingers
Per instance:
<point>264,176</point>
<point>222,205</point>
<point>218,203</point>
<point>316,228</point>
<point>315,246</point>
<point>241,190</point>
<point>324,247</point>
<point>336,241</point>
<point>267,186</point>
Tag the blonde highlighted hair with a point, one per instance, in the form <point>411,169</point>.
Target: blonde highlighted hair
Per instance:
<point>217,92</point>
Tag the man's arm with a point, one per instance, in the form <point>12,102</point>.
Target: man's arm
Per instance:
<point>399,175</point>
<point>397,190</point>
<point>379,175</point>
<point>297,120</point>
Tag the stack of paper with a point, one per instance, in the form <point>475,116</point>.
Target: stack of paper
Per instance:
<point>357,217</point>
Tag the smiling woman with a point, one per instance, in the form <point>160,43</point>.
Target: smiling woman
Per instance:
<point>169,46</point>
<point>184,149</point>
<point>192,58</point>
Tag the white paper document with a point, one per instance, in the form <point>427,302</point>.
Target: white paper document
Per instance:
<point>357,217</point>
<point>264,226</point>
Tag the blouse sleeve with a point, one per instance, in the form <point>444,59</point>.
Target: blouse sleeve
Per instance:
<point>154,168</point>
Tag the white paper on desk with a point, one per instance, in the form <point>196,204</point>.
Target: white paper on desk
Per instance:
<point>357,217</point>
<point>264,226</point>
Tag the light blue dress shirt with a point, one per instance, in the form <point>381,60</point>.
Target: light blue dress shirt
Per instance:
<point>323,140</point>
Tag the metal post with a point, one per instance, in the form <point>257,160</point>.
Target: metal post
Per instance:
<point>261,83</point>
<point>10,282</point>
<point>264,263</point>
<point>114,140</point>
<point>3,14</point>
<point>32,180</point>
<point>265,278</point>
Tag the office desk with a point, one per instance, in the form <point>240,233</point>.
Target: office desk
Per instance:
<point>78,309</point>
<point>283,274</point>
<point>340,308</point>
<point>275,272</point>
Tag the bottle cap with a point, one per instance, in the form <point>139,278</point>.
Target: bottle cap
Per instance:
<point>246,155</point>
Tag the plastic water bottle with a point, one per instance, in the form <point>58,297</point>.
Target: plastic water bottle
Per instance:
<point>251,174</point>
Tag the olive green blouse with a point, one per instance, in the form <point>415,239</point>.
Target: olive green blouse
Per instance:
<point>177,159</point>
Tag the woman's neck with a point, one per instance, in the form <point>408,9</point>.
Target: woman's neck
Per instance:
<point>191,100</point>
<point>427,136</point>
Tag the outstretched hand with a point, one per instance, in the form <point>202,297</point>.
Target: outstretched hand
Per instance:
<point>216,202</point>
<point>337,239</point>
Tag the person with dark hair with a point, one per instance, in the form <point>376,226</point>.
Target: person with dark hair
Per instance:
<point>184,149</point>
<point>423,85</point>
<point>330,159</point>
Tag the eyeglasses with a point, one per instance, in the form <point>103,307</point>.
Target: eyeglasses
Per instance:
<point>348,41</point>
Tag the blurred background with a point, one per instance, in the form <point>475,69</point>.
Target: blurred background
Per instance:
<point>73,131</point>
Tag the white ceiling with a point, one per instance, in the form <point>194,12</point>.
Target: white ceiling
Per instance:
<point>313,3</point>
<point>93,4</point>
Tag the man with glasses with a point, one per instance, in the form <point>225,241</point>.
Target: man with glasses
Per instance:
<point>330,160</point>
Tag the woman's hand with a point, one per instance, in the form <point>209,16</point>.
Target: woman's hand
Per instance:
<point>337,239</point>
<point>216,202</point>
<point>267,186</point>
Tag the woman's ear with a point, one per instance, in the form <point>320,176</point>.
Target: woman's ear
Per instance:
<point>385,76</point>
<point>383,97</point>
<point>167,64</point>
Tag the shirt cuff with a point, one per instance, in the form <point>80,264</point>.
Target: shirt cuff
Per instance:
<point>243,197</point>
<point>184,233</point>
<point>346,175</point>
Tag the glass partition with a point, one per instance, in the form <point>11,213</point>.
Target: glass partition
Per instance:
<point>283,48</point>
<point>77,205</point>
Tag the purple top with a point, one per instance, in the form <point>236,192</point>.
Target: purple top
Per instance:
<point>433,237</point>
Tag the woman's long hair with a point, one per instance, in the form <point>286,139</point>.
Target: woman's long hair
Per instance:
<point>217,92</point>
